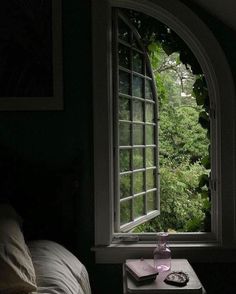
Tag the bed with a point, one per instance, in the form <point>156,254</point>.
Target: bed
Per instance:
<point>40,266</point>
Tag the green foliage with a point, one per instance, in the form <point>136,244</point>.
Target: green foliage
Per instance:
<point>200,92</point>
<point>181,137</point>
<point>153,31</point>
<point>182,208</point>
<point>183,147</point>
<point>184,130</point>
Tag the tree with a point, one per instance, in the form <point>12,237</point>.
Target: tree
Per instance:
<point>184,129</point>
<point>183,144</point>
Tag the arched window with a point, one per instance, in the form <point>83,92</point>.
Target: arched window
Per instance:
<point>110,143</point>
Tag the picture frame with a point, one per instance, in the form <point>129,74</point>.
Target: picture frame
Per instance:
<point>31,55</point>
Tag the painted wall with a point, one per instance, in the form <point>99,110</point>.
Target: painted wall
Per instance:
<point>46,156</point>
<point>47,163</point>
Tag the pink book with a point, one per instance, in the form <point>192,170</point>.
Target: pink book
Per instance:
<point>141,270</point>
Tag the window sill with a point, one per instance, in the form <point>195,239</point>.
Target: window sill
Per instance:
<point>194,252</point>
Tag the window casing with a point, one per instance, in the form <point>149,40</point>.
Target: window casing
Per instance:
<point>212,60</point>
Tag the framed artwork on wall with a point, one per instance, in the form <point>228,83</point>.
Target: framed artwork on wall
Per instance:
<point>30,55</point>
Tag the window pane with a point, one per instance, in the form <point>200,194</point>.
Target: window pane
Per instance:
<point>138,134</point>
<point>124,56</point>
<point>137,88</point>
<point>138,110</point>
<point>123,31</point>
<point>137,62</point>
<point>138,206</point>
<point>150,157</point>
<point>125,159</point>
<point>125,212</point>
<point>125,186</point>
<point>124,83</point>
<point>138,158</point>
<point>150,112</point>
<point>151,201</point>
<point>150,135</point>
<point>148,90</point>
<point>124,108</point>
<point>125,132</point>
<point>138,182</point>
<point>150,179</point>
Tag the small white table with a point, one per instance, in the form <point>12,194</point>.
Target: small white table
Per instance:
<point>158,286</point>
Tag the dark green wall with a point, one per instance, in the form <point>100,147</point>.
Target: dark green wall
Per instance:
<point>47,163</point>
<point>47,155</point>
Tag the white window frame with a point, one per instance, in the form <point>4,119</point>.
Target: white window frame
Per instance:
<point>222,93</point>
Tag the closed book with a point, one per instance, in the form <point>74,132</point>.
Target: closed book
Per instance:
<point>141,270</point>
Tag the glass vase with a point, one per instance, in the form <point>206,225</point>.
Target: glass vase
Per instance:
<point>162,254</point>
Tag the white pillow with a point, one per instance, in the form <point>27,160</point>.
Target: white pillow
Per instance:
<point>17,273</point>
<point>58,271</point>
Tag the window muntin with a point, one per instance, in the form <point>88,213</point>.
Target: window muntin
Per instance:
<point>137,130</point>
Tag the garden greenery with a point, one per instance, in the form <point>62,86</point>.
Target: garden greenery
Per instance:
<point>184,135</point>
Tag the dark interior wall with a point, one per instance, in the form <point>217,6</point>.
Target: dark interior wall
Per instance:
<point>224,34</point>
<point>46,156</point>
<point>47,164</point>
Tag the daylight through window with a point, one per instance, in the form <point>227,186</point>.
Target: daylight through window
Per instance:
<point>162,130</point>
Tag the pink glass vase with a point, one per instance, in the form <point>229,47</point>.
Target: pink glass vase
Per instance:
<point>162,254</point>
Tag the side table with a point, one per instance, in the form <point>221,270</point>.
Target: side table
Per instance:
<point>158,286</point>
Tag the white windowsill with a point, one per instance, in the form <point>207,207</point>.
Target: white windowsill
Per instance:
<point>194,252</point>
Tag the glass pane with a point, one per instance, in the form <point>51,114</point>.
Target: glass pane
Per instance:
<point>137,62</point>
<point>124,108</point>
<point>137,88</point>
<point>124,83</point>
<point>123,31</point>
<point>148,90</point>
<point>151,179</point>
<point>150,135</point>
<point>151,201</point>
<point>125,186</point>
<point>150,157</point>
<point>138,110</point>
<point>125,160</point>
<point>139,206</point>
<point>125,212</point>
<point>138,134</point>
<point>125,134</point>
<point>124,56</point>
<point>138,158</point>
<point>150,112</point>
<point>138,182</point>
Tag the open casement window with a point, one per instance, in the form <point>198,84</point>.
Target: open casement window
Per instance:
<point>111,144</point>
<point>136,129</point>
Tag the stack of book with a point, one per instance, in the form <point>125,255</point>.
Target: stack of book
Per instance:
<point>141,270</point>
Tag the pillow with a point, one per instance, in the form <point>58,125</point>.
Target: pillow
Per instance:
<point>17,273</point>
<point>57,269</point>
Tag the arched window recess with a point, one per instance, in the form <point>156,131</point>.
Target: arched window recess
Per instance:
<point>218,102</point>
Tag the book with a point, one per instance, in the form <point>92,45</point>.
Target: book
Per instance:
<point>141,270</point>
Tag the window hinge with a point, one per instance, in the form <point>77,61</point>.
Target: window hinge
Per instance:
<point>125,239</point>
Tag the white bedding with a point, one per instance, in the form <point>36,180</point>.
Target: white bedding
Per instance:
<point>57,270</point>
